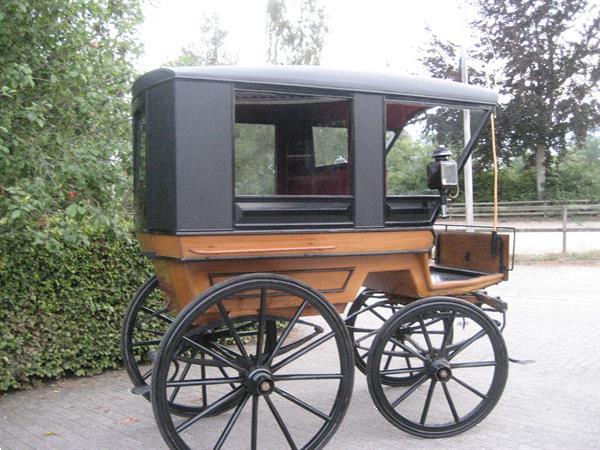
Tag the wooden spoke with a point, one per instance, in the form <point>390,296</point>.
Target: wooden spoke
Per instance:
<point>427,402</point>
<point>301,403</point>
<point>466,344</point>
<point>449,324</point>
<point>450,402</point>
<point>469,387</point>
<point>469,365</point>
<point>233,331</point>
<point>302,351</point>
<point>286,332</point>
<point>220,402</point>
<point>231,422</point>
<point>214,354</point>
<point>262,319</point>
<point>406,348</point>
<point>409,391</point>
<point>254,429</point>
<point>281,423</point>
<point>426,336</point>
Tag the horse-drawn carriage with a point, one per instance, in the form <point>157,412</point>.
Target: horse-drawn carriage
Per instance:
<point>266,202</point>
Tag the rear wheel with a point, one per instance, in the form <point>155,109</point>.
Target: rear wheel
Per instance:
<point>146,321</point>
<point>266,382</point>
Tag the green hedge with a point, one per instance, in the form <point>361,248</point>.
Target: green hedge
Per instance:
<point>61,309</point>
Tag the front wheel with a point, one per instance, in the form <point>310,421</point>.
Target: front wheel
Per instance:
<point>461,363</point>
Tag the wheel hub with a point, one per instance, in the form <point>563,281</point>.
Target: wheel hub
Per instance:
<point>440,370</point>
<point>259,382</point>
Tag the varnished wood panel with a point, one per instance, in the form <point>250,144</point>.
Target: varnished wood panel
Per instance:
<point>336,274</point>
<point>472,251</point>
<point>284,244</point>
<point>394,282</point>
<point>192,278</point>
<point>324,280</point>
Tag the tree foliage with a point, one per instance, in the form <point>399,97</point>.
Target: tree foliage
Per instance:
<point>211,48</point>
<point>549,53</point>
<point>552,69</point>
<point>64,116</point>
<point>61,308</point>
<point>577,175</point>
<point>405,165</point>
<point>298,41</point>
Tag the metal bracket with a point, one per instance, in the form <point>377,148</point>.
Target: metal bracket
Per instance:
<point>494,302</point>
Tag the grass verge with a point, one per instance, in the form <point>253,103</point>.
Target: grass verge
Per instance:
<point>591,256</point>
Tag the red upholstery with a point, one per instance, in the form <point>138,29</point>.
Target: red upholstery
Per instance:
<point>334,182</point>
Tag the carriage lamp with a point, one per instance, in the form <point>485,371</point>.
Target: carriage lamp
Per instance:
<point>442,174</point>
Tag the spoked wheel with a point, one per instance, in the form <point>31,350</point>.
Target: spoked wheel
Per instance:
<point>274,386</point>
<point>458,382</point>
<point>366,316</point>
<point>146,321</point>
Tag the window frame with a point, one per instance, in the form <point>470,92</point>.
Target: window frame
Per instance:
<point>407,210</point>
<point>288,211</point>
<point>140,126</point>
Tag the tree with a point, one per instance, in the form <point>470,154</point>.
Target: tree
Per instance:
<point>551,51</point>
<point>210,50</point>
<point>577,176</point>
<point>295,42</point>
<point>64,116</point>
<point>441,58</point>
<point>549,57</point>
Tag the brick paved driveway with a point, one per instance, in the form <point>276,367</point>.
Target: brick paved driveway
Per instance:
<point>554,319</point>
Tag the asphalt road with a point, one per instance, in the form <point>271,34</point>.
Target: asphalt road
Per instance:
<point>553,403</point>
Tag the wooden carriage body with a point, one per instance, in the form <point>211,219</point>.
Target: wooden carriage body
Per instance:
<point>327,223</point>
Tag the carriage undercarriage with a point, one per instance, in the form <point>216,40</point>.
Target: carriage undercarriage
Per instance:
<point>252,338</point>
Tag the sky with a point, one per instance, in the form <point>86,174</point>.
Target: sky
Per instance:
<point>364,35</point>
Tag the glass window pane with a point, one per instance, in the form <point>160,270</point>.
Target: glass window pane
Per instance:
<point>331,146</point>
<point>406,164</point>
<point>291,144</point>
<point>420,129</point>
<point>254,159</point>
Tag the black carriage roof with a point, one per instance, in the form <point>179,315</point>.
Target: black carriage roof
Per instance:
<point>326,78</point>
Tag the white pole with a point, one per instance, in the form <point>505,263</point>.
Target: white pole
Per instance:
<point>468,168</point>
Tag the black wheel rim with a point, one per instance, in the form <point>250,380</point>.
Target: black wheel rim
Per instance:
<point>264,373</point>
<point>146,321</point>
<point>461,363</point>
<point>366,316</point>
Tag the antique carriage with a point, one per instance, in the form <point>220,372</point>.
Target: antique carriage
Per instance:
<point>267,202</point>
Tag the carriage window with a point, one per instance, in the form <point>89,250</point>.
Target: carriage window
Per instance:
<point>413,132</point>
<point>407,159</point>
<point>139,161</point>
<point>291,145</point>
